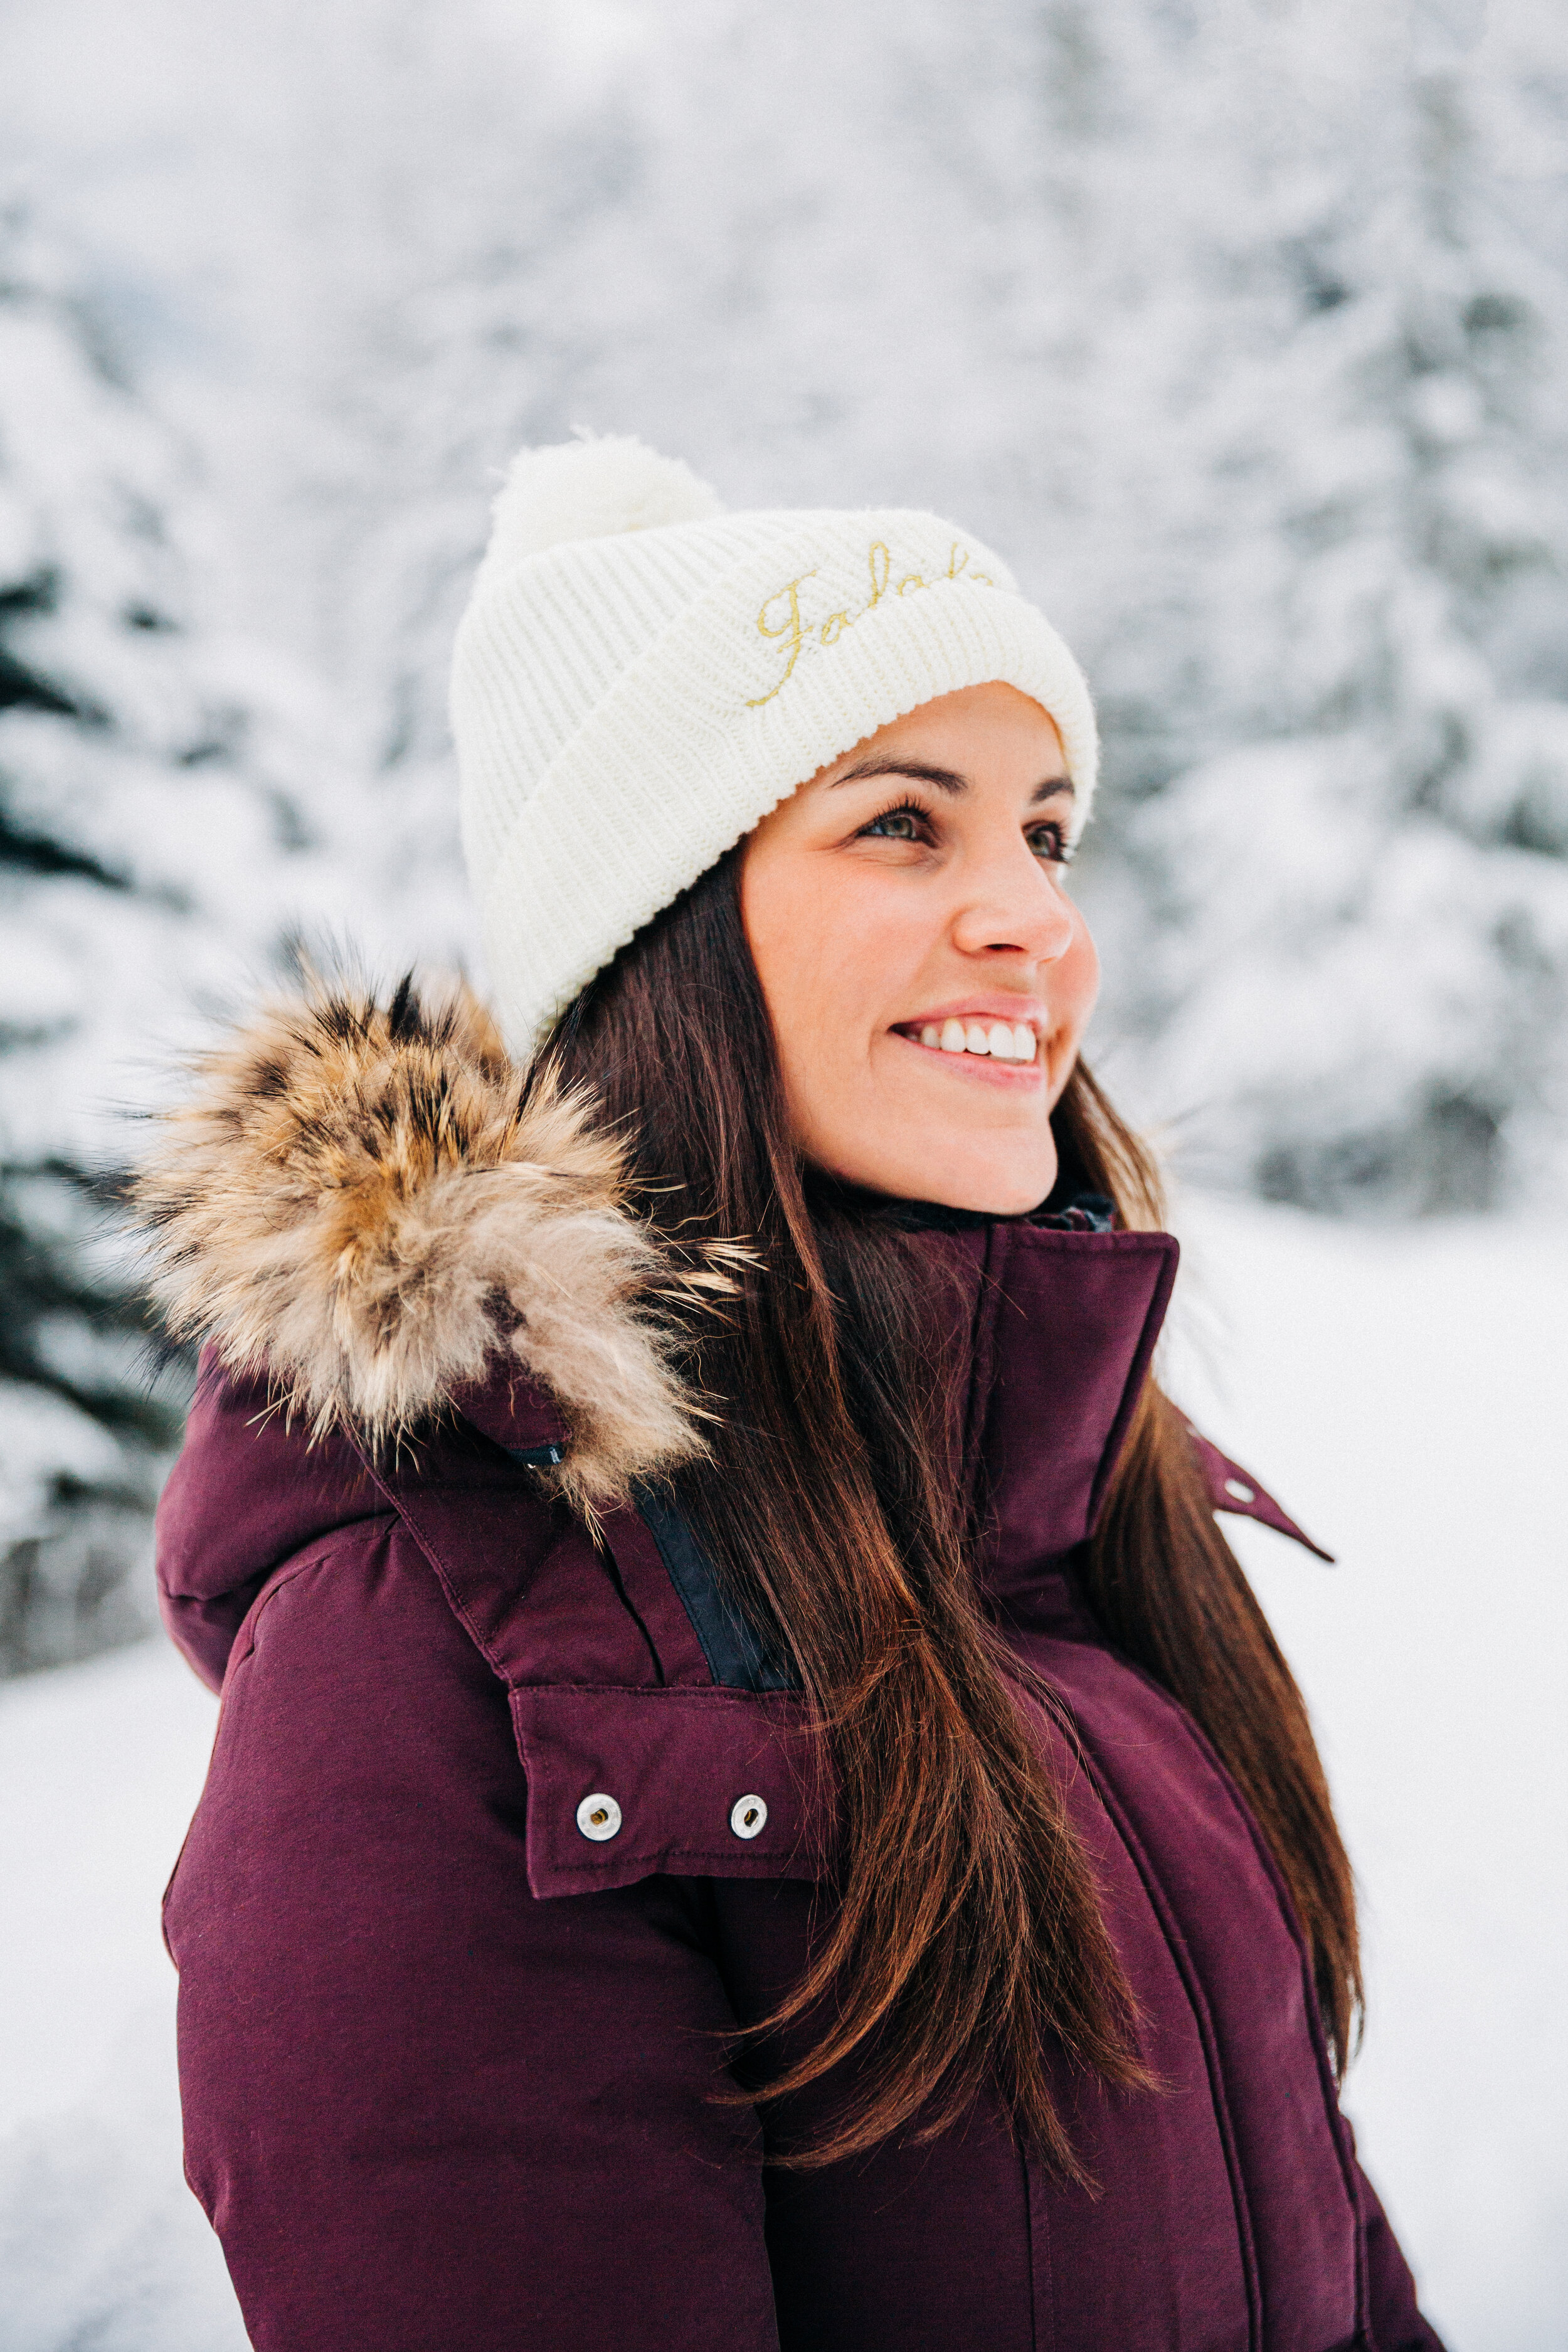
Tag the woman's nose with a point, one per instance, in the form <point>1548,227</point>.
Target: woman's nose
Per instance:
<point>1021,910</point>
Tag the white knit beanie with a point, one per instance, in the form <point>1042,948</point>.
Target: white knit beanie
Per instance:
<point>640,677</point>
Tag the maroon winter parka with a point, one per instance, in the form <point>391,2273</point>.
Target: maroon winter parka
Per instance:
<point>509,1828</point>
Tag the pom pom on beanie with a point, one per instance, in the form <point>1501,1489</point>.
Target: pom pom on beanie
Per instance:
<point>589,489</point>
<point>640,677</point>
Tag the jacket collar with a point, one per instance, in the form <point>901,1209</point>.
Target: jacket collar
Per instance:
<point>1053,1331</point>
<point>1058,1330</point>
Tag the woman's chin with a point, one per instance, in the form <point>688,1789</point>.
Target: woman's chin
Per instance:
<point>991,1183</point>
<point>988,1200</point>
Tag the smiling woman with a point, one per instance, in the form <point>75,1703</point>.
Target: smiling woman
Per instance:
<point>928,976</point>
<point>754,1807</point>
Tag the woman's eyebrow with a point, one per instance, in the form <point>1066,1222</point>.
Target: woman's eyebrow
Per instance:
<point>944,779</point>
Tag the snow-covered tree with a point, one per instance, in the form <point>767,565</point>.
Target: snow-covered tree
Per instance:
<point>160,820</point>
<point>1354,949</point>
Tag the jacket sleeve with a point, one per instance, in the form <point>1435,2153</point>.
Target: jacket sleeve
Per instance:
<point>425,2111</point>
<point>1397,2325</point>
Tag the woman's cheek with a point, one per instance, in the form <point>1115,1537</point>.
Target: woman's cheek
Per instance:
<point>1078,980</point>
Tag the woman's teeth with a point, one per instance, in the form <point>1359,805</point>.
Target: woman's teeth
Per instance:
<point>1004,1041</point>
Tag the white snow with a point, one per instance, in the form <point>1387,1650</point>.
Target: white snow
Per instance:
<point>100,2241</point>
<point>1405,1393</point>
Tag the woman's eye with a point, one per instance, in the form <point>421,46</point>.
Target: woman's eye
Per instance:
<point>1049,841</point>
<point>897,824</point>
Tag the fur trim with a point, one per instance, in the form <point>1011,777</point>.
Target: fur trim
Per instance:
<point>357,1200</point>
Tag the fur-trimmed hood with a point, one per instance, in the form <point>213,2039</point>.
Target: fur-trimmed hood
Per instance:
<point>363,1202</point>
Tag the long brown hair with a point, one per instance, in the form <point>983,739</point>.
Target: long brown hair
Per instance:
<point>968,1935</point>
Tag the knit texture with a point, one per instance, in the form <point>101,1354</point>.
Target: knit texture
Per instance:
<point>640,677</point>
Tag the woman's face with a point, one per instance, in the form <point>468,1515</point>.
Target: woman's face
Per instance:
<point>928,976</point>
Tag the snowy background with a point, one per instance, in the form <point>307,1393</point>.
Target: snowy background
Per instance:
<point>1242,327</point>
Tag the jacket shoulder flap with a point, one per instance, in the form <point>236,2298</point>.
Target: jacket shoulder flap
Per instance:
<point>611,1654</point>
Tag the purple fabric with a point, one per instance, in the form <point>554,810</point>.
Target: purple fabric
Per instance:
<point>1234,1489</point>
<point>447,2064</point>
<point>573,1741</point>
<point>244,1497</point>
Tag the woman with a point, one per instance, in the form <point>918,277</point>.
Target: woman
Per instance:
<point>752,1806</point>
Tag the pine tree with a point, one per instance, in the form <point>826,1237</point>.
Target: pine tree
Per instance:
<point>1355,950</point>
<point>154,841</point>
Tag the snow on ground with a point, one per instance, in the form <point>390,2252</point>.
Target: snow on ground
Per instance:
<point>1403,1392</point>
<point>101,2244</point>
